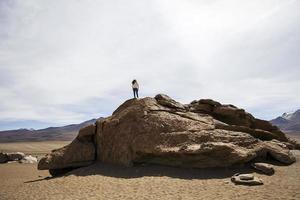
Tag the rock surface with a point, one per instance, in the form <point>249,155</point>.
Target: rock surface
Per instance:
<point>264,168</point>
<point>160,130</point>
<point>170,136</point>
<point>79,153</point>
<point>246,176</point>
<point>87,133</point>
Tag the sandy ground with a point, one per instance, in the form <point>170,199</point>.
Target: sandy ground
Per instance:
<point>99,181</point>
<point>295,136</point>
<point>33,148</point>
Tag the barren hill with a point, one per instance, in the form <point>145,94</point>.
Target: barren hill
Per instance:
<point>63,133</point>
<point>288,122</point>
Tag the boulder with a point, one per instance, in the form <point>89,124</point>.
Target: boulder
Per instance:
<point>15,156</point>
<point>246,179</point>
<point>3,157</point>
<point>279,152</point>
<point>162,131</point>
<point>264,168</point>
<point>176,138</point>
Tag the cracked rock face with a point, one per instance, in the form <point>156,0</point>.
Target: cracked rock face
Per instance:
<point>160,130</point>
<point>171,135</point>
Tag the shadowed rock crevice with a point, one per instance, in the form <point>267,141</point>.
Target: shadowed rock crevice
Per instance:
<point>163,131</point>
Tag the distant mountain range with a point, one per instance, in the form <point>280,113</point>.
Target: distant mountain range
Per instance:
<point>288,122</point>
<point>63,133</point>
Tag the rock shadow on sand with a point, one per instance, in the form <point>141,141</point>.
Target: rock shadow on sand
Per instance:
<point>150,170</point>
<point>42,179</point>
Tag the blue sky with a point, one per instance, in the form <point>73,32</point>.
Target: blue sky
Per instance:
<point>64,63</point>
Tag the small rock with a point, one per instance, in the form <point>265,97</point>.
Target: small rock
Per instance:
<point>264,168</point>
<point>237,180</point>
<point>15,156</point>
<point>29,160</point>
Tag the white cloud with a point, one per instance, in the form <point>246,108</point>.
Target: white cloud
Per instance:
<point>57,58</point>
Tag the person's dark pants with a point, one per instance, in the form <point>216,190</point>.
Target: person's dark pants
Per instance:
<point>136,93</point>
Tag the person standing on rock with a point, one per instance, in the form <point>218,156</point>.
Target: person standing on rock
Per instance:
<point>135,88</point>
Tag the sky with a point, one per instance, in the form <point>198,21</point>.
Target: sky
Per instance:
<point>63,62</point>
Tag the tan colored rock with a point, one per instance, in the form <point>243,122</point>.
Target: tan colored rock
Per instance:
<point>165,100</point>
<point>132,125</point>
<point>257,133</point>
<point>279,152</point>
<point>80,152</point>
<point>175,138</point>
<point>239,120</point>
<point>246,176</point>
<point>161,130</point>
<point>264,168</point>
<point>76,154</point>
<point>239,179</point>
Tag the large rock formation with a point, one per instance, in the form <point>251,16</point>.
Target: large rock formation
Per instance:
<point>160,130</point>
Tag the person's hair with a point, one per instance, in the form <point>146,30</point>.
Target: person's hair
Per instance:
<point>134,81</point>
